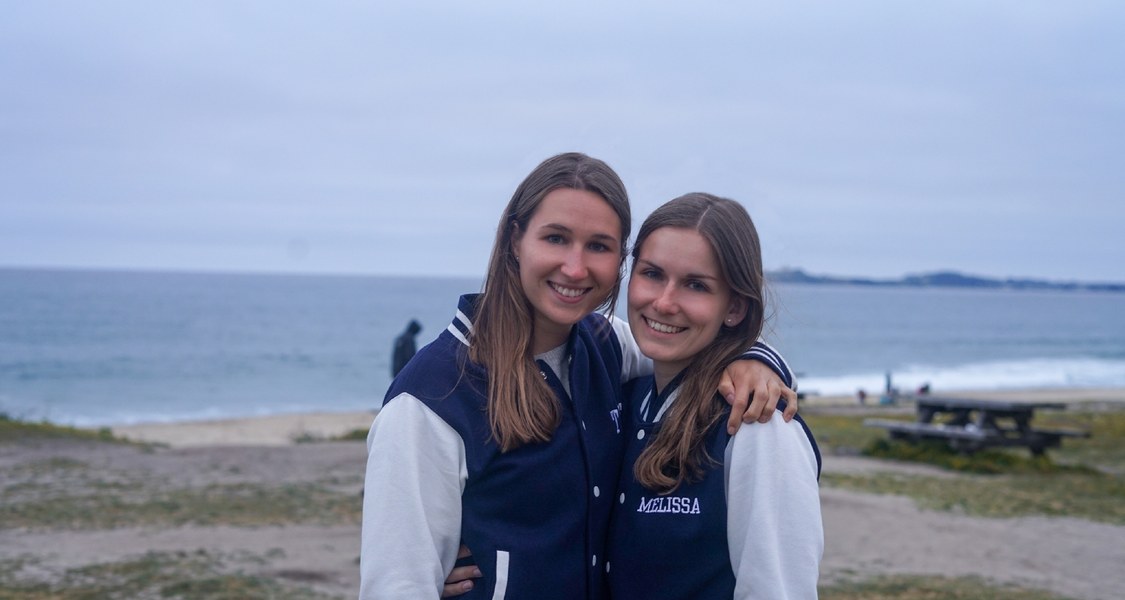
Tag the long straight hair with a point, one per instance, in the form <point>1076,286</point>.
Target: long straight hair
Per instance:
<point>521,407</point>
<point>677,453</point>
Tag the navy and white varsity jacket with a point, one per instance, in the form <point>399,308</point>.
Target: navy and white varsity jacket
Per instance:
<point>535,517</point>
<point>750,528</point>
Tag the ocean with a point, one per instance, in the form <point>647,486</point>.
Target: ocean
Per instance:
<point>93,348</point>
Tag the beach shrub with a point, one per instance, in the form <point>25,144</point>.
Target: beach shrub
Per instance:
<point>985,462</point>
<point>15,430</point>
<point>842,434</point>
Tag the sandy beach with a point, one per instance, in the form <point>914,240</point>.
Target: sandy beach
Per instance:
<point>272,430</point>
<point>866,534</point>
<point>280,430</point>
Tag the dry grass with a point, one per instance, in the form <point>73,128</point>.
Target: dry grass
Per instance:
<point>929,588</point>
<point>166,575</point>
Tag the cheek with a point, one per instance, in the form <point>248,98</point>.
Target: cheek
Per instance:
<point>523,274</point>
<point>633,299</point>
<point>718,317</point>
<point>709,316</point>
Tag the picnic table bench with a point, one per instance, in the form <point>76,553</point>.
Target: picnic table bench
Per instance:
<point>970,425</point>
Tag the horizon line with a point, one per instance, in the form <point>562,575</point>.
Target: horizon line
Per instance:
<point>842,279</point>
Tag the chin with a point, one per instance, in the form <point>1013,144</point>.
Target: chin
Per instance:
<point>657,353</point>
<point>568,317</point>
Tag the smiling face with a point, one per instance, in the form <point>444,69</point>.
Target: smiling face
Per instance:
<point>678,299</point>
<point>569,259</point>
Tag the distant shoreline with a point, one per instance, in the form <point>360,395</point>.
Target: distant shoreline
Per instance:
<point>944,279</point>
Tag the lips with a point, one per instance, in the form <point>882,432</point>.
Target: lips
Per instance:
<point>662,327</point>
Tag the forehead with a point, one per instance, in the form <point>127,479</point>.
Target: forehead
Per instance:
<point>681,250</point>
<point>577,210</point>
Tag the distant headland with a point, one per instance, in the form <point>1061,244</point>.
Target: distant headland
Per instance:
<point>942,279</point>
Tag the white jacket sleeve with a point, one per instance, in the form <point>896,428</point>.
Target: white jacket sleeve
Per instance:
<point>774,528</point>
<point>411,503</point>
<point>633,363</point>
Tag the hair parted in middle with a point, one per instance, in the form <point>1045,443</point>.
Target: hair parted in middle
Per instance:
<point>521,407</point>
<point>677,454</point>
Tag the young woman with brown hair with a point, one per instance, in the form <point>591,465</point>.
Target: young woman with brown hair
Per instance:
<point>700,514</point>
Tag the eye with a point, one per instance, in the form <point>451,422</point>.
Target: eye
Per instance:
<point>554,238</point>
<point>650,273</point>
<point>697,285</point>
<point>598,247</point>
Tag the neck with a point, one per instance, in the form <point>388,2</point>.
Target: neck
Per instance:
<point>543,341</point>
<point>664,374</point>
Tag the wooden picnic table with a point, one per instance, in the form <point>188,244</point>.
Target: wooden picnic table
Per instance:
<point>970,425</point>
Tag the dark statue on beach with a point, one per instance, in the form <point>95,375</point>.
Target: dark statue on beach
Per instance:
<point>405,346</point>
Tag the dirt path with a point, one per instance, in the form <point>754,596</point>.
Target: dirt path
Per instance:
<point>868,534</point>
<point>865,534</point>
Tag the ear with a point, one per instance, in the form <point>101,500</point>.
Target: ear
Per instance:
<point>736,311</point>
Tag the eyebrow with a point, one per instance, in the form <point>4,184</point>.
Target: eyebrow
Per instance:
<point>565,229</point>
<point>688,276</point>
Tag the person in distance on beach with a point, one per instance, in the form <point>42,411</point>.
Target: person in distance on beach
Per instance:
<point>405,346</point>
<point>505,433</point>
<point>701,514</point>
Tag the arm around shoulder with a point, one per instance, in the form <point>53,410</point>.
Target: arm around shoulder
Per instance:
<point>412,502</point>
<point>765,353</point>
<point>775,532</point>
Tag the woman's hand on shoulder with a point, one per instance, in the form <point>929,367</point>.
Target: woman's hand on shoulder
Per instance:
<point>753,391</point>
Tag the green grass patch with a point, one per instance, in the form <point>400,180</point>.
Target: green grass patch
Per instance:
<point>906,587</point>
<point>989,462</point>
<point>1092,496</point>
<point>1085,478</point>
<point>172,575</point>
<point>15,430</point>
<point>237,505</point>
<point>355,435</point>
<point>842,434</point>
<point>1104,449</point>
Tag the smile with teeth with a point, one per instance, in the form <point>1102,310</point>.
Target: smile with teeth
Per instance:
<point>662,328</point>
<point>569,292</point>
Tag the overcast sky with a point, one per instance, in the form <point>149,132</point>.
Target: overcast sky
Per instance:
<point>869,137</point>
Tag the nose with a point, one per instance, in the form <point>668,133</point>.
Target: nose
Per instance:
<point>574,265</point>
<point>665,302</point>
